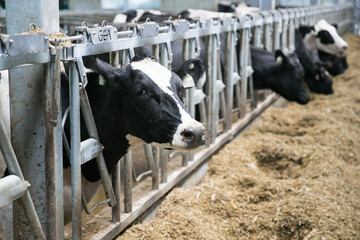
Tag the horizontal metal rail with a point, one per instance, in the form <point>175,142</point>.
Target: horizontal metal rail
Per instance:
<point>215,27</point>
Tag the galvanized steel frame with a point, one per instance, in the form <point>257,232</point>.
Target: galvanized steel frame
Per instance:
<point>272,30</point>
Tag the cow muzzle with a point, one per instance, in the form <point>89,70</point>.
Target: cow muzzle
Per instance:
<point>189,136</point>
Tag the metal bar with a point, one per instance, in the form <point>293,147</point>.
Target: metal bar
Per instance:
<point>150,159</point>
<point>14,168</point>
<point>163,165</point>
<point>50,171</point>
<point>84,202</point>
<point>75,158</point>
<point>163,161</point>
<point>211,72</point>
<point>229,70</point>
<point>11,188</point>
<point>128,182</point>
<point>91,127</point>
<point>116,180</point>
<point>243,66</point>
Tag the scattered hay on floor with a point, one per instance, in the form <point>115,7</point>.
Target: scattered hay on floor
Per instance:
<point>295,175</point>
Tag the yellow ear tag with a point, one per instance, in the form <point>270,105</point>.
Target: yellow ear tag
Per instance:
<point>188,81</point>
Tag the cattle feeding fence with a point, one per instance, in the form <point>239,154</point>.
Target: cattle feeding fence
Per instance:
<point>226,105</point>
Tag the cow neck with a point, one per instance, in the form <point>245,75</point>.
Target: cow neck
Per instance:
<point>310,41</point>
<point>110,121</point>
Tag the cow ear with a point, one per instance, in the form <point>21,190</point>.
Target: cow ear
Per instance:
<point>113,77</point>
<point>282,59</point>
<point>305,29</point>
<point>190,72</point>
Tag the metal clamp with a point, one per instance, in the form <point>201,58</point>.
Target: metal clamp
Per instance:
<point>148,29</point>
<point>181,25</point>
<point>23,43</point>
<point>105,33</point>
<point>82,73</point>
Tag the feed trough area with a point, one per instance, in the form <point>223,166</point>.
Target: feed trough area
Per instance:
<point>225,120</point>
<point>294,175</point>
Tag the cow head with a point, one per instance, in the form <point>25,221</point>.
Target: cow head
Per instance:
<point>291,84</point>
<point>320,82</point>
<point>150,96</point>
<point>324,36</point>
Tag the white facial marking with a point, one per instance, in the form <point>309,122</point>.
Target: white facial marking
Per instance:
<point>120,18</point>
<point>313,43</point>
<point>161,76</point>
<point>133,141</point>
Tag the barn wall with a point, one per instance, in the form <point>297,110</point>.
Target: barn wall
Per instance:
<point>84,4</point>
<point>176,6</point>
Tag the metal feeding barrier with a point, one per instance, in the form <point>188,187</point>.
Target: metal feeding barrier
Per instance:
<point>229,104</point>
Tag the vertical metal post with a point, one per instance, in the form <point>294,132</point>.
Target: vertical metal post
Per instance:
<point>163,159</point>
<point>128,156</point>
<point>276,30</point>
<point>191,92</point>
<point>211,72</point>
<point>284,32</point>
<point>150,159</point>
<point>267,34</point>
<point>189,52</point>
<point>128,182</point>
<point>163,165</point>
<point>244,57</point>
<point>229,71</point>
<point>117,191</point>
<point>116,184</point>
<point>75,157</point>
<point>53,149</point>
<point>291,30</point>
<point>28,129</point>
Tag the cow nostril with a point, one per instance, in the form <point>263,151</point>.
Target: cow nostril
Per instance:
<point>188,136</point>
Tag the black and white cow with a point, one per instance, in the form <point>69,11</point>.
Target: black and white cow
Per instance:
<point>316,77</point>
<point>334,65</point>
<point>280,73</point>
<point>324,37</point>
<point>139,103</point>
<point>287,77</point>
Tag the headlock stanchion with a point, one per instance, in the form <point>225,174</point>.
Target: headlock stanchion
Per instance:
<point>226,101</point>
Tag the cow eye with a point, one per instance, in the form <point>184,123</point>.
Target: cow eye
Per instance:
<point>140,91</point>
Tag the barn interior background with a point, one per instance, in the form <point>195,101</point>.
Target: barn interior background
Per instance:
<point>35,138</point>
